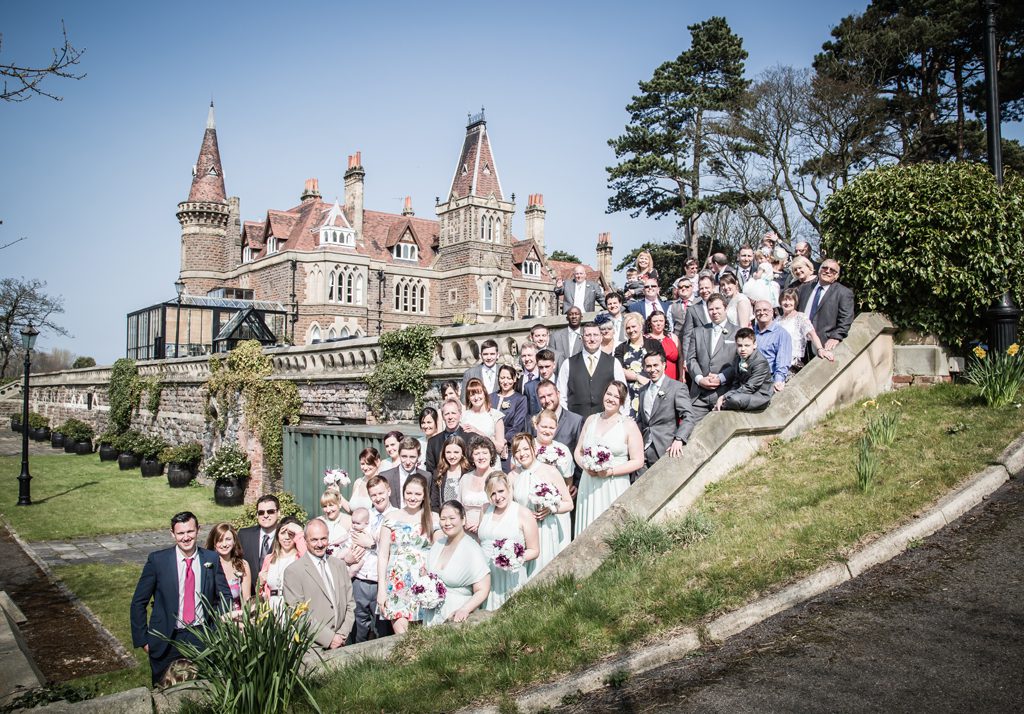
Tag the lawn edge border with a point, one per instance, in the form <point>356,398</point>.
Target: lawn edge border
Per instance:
<point>126,657</point>
<point>945,511</point>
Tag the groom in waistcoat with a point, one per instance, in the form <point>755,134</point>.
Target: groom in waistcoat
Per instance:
<point>584,377</point>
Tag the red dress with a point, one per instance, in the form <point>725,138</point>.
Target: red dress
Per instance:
<point>671,356</point>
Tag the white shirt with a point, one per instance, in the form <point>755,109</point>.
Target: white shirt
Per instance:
<point>580,295</point>
<point>197,571</point>
<point>324,569</point>
<point>489,376</point>
<point>368,570</point>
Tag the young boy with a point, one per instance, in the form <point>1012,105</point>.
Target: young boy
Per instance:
<point>752,376</point>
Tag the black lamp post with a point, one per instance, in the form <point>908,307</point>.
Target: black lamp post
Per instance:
<point>28,341</point>
<point>179,287</point>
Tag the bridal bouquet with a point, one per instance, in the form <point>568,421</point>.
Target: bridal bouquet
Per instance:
<point>336,478</point>
<point>506,553</point>
<point>551,454</point>
<point>429,591</point>
<point>597,458</point>
<point>544,495</point>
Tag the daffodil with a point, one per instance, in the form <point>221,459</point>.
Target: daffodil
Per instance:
<point>870,403</point>
<point>980,352</point>
<point>1013,349</point>
<point>300,609</point>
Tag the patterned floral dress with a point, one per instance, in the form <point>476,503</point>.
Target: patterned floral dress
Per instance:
<point>409,549</point>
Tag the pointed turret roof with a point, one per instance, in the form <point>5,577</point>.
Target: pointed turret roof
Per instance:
<point>208,175</point>
<point>476,173</point>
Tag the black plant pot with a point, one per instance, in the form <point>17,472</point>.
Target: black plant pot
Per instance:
<point>179,476</point>
<point>43,434</point>
<point>151,467</point>
<point>108,453</point>
<point>69,445</point>
<point>127,462</point>
<point>57,440</point>
<point>228,492</point>
<point>16,425</point>
<point>33,433</point>
<point>83,447</point>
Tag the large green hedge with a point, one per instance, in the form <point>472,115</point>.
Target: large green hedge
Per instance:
<point>930,245</point>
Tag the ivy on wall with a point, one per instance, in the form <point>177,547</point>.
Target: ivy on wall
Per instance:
<point>405,360</point>
<point>125,394</point>
<point>269,404</point>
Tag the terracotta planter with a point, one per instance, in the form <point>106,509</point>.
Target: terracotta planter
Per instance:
<point>179,476</point>
<point>151,467</point>
<point>108,453</point>
<point>228,492</point>
<point>127,462</point>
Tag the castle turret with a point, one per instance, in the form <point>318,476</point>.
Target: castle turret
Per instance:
<point>205,248</point>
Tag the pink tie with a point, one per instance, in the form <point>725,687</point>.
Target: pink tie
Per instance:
<point>188,605</point>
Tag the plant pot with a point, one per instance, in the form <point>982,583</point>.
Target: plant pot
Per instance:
<point>43,434</point>
<point>69,445</point>
<point>57,440</point>
<point>16,426</point>
<point>151,467</point>
<point>127,462</point>
<point>228,492</point>
<point>108,453</point>
<point>33,433</point>
<point>83,447</point>
<point>179,476</point>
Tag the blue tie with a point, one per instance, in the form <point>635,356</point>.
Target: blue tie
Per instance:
<point>814,303</point>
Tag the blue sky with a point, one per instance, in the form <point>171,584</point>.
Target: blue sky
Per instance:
<point>94,181</point>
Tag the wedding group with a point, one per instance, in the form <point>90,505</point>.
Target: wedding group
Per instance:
<point>516,459</point>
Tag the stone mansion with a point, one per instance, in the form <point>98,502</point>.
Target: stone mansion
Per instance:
<point>343,270</point>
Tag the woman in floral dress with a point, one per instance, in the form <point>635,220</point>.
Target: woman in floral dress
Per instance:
<point>631,355</point>
<point>404,541</point>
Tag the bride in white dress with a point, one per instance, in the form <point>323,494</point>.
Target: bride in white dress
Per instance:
<point>621,436</point>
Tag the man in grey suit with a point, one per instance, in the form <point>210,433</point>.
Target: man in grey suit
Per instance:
<point>568,341</point>
<point>828,305</point>
<point>751,387</point>
<point>487,370</point>
<point>713,348</point>
<point>257,541</point>
<point>324,583</point>
<point>696,316</point>
<point>664,408</point>
<point>579,291</point>
<point>408,457</point>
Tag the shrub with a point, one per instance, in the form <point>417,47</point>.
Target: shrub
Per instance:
<point>83,362</point>
<point>109,438</point>
<point>37,420</point>
<point>930,245</point>
<point>187,455</point>
<point>128,442</point>
<point>123,394</point>
<point>229,463</point>
<point>148,446</point>
<point>1000,377</point>
<point>289,507</point>
<point>405,359</point>
<point>77,430</point>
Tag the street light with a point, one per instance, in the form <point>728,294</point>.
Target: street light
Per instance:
<point>179,287</point>
<point>28,340</point>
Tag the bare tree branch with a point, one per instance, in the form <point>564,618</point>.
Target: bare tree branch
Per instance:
<point>22,83</point>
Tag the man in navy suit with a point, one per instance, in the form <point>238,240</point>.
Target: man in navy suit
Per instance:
<point>183,583</point>
<point>651,303</point>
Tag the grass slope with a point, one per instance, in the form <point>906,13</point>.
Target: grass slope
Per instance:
<point>794,508</point>
<point>78,496</point>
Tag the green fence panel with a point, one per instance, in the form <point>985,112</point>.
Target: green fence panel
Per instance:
<point>309,450</point>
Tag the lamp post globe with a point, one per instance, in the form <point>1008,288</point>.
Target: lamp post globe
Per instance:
<point>28,341</point>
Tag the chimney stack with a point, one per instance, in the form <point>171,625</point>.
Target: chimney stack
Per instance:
<point>311,191</point>
<point>535,221</point>
<point>354,192</point>
<point>407,208</point>
<point>604,256</point>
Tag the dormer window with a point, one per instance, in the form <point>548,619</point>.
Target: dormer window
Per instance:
<point>531,268</point>
<point>247,254</point>
<point>337,236</point>
<point>406,251</point>
<point>273,245</point>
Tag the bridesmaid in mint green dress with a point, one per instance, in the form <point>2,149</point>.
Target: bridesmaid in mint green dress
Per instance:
<point>462,566</point>
<point>554,525</point>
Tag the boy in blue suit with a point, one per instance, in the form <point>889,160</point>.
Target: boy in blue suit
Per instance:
<point>178,581</point>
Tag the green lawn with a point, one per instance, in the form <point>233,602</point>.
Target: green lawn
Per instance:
<point>107,591</point>
<point>793,509</point>
<point>77,496</point>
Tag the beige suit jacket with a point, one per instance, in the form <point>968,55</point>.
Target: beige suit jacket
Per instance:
<point>302,583</point>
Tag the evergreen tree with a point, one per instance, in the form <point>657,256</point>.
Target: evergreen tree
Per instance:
<point>662,154</point>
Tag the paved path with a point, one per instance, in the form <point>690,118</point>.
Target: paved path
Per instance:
<point>10,444</point>
<point>130,548</point>
<point>938,629</point>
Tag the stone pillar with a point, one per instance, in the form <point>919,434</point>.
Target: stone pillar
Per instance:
<point>604,256</point>
<point>535,213</point>
<point>354,192</point>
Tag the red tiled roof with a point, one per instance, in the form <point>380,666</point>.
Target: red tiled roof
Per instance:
<point>522,249</point>
<point>208,180</point>
<point>476,173</point>
<point>252,234</point>
<point>563,269</point>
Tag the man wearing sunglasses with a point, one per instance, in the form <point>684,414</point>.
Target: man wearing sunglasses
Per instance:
<point>258,540</point>
<point>828,304</point>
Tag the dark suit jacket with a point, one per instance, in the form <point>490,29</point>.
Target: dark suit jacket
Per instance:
<point>515,414</point>
<point>752,386</point>
<point>477,371</point>
<point>738,272</point>
<point>594,294</point>
<point>434,446</point>
<point>159,584</point>
<point>834,315</point>
<point>704,362</point>
<point>668,419</point>
<point>393,479</point>
<point>559,342</point>
<point>249,539</point>
<point>638,306</point>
